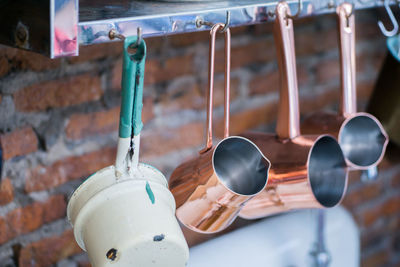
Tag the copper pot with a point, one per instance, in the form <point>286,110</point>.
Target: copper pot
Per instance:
<point>308,171</point>
<point>210,190</point>
<point>360,135</point>
<point>385,100</point>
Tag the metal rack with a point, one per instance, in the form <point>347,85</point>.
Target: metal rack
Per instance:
<point>57,27</point>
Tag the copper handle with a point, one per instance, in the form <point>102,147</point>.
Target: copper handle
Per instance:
<point>217,28</point>
<point>348,104</point>
<point>288,125</point>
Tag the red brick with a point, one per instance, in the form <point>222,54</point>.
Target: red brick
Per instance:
<point>29,218</point>
<point>366,31</point>
<point>249,54</point>
<point>249,119</point>
<point>264,83</point>
<point>5,234</point>
<point>396,180</point>
<point>162,141</point>
<point>366,193</point>
<point>54,208</point>
<point>26,219</point>
<point>373,236</point>
<point>26,60</point>
<point>318,101</point>
<point>309,43</point>
<point>4,66</point>
<point>190,95</point>
<point>59,93</point>
<point>19,142</point>
<point>84,264</point>
<point>117,75</point>
<point>364,90</point>
<point>171,68</point>
<point>183,95</point>
<point>45,177</point>
<point>376,259</point>
<point>389,208</point>
<point>327,70</point>
<point>157,71</point>
<point>354,178</point>
<point>166,140</point>
<point>6,191</point>
<point>84,125</point>
<point>48,251</point>
<point>97,52</point>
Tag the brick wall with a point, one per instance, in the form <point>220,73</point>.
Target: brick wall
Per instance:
<point>59,118</point>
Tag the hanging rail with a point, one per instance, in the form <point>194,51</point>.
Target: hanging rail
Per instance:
<point>164,18</point>
<point>57,27</point>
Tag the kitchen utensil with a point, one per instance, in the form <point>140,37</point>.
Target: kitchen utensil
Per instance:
<point>308,171</point>
<point>211,189</point>
<point>123,215</point>
<point>385,99</point>
<point>360,135</point>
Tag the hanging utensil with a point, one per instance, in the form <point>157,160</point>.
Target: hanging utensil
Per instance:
<point>211,189</point>
<point>385,99</point>
<point>123,215</point>
<point>360,135</point>
<point>308,171</point>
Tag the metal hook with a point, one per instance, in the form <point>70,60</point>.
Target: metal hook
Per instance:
<point>227,21</point>
<point>300,8</point>
<point>392,19</point>
<point>200,22</point>
<point>350,14</point>
<point>139,38</point>
<point>112,34</point>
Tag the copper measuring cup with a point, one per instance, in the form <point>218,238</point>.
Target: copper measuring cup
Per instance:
<point>308,171</point>
<point>360,135</point>
<point>211,189</point>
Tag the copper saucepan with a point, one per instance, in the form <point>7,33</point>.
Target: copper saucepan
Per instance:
<point>211,189</point>
<point>360,135</point>
<point>307,171</point>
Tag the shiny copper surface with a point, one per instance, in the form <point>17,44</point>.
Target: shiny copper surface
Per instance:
<point>288,112</point>
<point>211,189</point>
<point>289,186</point>
<point>308,171</point>
<point>360,134</point>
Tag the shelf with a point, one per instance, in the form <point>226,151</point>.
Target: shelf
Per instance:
<point>52,27</point>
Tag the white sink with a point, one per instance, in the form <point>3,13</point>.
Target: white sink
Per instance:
<point>283,241</point>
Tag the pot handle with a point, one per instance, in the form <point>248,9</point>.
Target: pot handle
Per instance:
<point>132,89</point>
<point>348,103</point>
<point>130,122</point>
<point>211,67</point>
<point>288,123</point>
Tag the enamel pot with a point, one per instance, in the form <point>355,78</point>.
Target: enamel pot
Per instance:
<point>124,215</point>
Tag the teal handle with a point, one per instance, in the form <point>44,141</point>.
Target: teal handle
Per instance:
<point>393,46</point>
<point>132,89</point>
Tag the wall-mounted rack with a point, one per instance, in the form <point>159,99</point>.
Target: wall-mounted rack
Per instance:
<point>57,27</point>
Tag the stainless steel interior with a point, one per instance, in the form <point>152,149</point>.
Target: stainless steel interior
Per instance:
<point>240,166</point>
<point>327,171</point>
<point>362,140</point>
